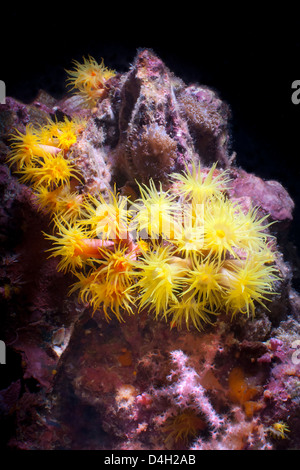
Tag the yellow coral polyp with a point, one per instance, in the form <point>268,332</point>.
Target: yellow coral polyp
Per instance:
<point>72,245</point>
<point>66,140</point>
<point>25,147</point>
<point>279,430</point>
<point>254,231</point>
<point>199,187</point>
<point>189,236</point>
<point>190,241</point>
<point>70,205</point>
<point>188,310</point>
<point>155,213</point>
<point>61,202</point>
<point>50,171</point>
<point>203,281</point>
<point>116,266</point>
<point>159,274</point>
<point>222,228</point>
<point>89,78</point>
<point>100,291</point>
<point>62,134</point>
<point>246,282</point>
<point>107,286</point>
<point>108,219</point>
<point>113,297</point>
<point>47,199</point>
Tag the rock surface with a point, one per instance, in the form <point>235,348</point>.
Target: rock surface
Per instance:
<point>73,381</point>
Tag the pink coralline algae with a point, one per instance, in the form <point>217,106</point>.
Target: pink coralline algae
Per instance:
<point>269,195</point>
<point>74,380</point>
<point>188,391</point>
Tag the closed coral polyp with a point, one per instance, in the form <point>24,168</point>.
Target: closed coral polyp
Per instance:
<point>183,427</point>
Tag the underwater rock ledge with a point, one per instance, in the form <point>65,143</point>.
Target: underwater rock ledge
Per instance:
<point>75,381</point>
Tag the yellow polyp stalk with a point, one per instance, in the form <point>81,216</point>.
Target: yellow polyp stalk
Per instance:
<point>50,149</point>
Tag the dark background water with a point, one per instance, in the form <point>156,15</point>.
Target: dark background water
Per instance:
<point>251,58</point>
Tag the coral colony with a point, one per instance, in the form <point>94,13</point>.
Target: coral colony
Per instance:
<point>157,299</point>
